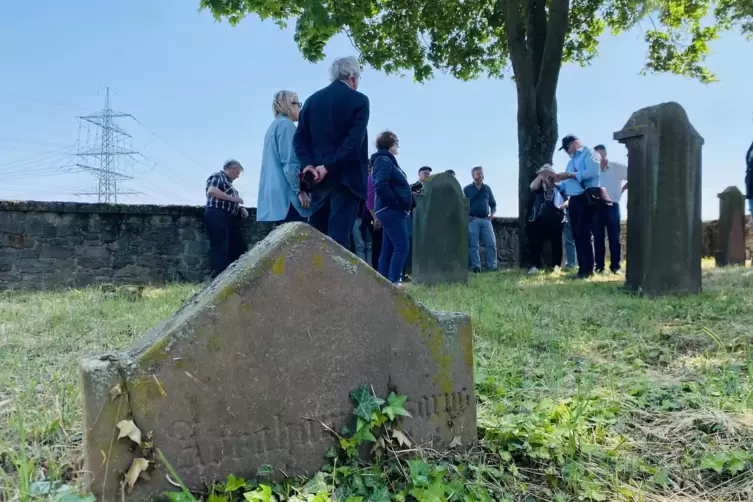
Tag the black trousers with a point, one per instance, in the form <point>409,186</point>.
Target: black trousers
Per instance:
<point>581,219</point>
<point>226,242</point>
<point>539,233</point>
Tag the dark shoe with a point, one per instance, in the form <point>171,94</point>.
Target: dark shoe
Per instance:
<point>406,278</point>
<point>580,276</point>
<point>599,270</point>
<point>616,271</point>
<point>476,270</point>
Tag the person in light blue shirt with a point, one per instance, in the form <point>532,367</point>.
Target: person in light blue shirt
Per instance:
<point>583,171</point>
<point>280,198</point>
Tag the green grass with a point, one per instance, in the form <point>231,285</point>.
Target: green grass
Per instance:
<point>585,392</point>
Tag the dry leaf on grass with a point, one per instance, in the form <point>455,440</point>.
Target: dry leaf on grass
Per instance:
<point>128,429</point>
<point>401,438</point>
<point>115,392</point>
<point>138,466</point>
<point>456,442</point>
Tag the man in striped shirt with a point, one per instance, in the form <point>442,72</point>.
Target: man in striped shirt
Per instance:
<point>223,216</point>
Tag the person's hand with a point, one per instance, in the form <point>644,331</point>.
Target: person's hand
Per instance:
<point>320,172</point>
<point>561,176</point>
<point>377,224</point>
<point>238,200</point>
<point>490,217</point>
<point>244,213</point>
<point>304,199</point>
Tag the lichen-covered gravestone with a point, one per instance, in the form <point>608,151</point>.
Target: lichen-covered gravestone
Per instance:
<point>247,371</point>
<point>440,232</point>
<point>730,239</point>
<point>664,230</point>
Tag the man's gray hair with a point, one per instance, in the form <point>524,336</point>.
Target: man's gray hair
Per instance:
<point>345,69</point>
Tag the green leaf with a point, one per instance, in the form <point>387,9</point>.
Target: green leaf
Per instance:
<point>381,494</point>
<point>264,471</point>
<point>232,484</point>
<point>735,465</point>
<point>395,406</point>
<point>661,478</point>
<point>179,497</point>
<point>217,498</point>
<point>316,485</point>
<point>366,402</point>
<point>715,462</point>
<point>263,494</point>
<point>66,494</point>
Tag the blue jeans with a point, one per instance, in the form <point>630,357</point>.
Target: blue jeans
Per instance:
<point>607,217</point>
<point>333,212</point>
<point>394,243</point>
<point>567,236</point>
<point>362,241</point>
<point>482,227</point>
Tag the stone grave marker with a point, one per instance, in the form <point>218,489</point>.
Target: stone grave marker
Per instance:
<point>245,373</point>
<point>440,232</point>
<point>664,230</point>
<point>730,239</point>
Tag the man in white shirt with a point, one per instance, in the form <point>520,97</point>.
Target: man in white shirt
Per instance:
<point>608,217</point>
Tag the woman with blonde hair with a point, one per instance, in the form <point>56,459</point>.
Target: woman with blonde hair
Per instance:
<point>280,198</point>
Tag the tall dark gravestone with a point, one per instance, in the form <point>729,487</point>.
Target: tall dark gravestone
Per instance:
<point>664,234</point>
<point>730,239</point>
<point>440,232</point>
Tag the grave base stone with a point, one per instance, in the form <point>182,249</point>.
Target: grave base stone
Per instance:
<point>247,371</point>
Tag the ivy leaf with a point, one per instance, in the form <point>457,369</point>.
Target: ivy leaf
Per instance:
<point>395,406</point>
<point>234,483</point>
<point>217,498</point>
<point>265,470</point>
<point>366,402</point>
<point>263,494</point>
<point>661,478</point>
<point>735,465</point>
<point>381,494</point>
<point>128,429</point>
<point>315,485</point>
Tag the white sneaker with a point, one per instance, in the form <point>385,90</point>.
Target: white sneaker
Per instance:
<point>533,270</point>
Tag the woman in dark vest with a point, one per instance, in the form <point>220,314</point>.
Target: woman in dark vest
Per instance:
<point>546,218</point>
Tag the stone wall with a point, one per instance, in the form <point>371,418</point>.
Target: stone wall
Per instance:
<point>45,245</point>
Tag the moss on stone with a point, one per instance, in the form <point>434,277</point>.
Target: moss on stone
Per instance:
<point>278,267</point>
<point>214,343</point>
<point>155,354</point>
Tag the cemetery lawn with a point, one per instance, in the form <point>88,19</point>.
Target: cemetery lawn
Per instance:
<point>585,392</point>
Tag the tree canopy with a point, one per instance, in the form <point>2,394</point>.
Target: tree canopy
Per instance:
<point>472,38</point>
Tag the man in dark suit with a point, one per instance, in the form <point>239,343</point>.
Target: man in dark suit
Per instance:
<point>331,143</point>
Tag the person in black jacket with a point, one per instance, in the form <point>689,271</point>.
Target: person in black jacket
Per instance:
<point>749,178</point>
<point>546,218</point>
<point>392,205</point>
<point>331,144</point>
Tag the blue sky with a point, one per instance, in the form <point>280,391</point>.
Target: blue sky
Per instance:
<point>202,93</point>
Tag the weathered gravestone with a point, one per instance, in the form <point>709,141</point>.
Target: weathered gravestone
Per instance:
<point>730,239</point>
<point>245,373</point>
<point>664,202</point>
<point>440,232</point>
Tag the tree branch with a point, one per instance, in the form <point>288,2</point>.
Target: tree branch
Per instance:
<point>536,35</point>
<point>551,62</point>
<point>516,41</point>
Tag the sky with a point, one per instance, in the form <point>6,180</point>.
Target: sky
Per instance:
<point>200,92</point>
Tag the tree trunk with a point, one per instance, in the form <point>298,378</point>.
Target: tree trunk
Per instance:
<point>536,38</point>
<point>537,139</point>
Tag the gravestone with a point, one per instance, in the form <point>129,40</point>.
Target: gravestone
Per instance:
<point>440,232</point>
<point>664,230</point>
<point>730,239</point>
<point>245,373</point>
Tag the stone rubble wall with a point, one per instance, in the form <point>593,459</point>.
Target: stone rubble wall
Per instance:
<point>47,245</point>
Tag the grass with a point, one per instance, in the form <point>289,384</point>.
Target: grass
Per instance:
<point>584,392</point>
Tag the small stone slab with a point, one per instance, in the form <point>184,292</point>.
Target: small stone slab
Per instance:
<point>664,230</point>
<point>440,232</point>
<point>730,239</point>
<point>247,371</point>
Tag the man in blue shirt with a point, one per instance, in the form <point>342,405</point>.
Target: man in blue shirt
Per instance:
<point>583,171</point>
<point>482,209</point>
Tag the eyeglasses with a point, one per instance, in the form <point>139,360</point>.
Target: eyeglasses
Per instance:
<point>297,103</point>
